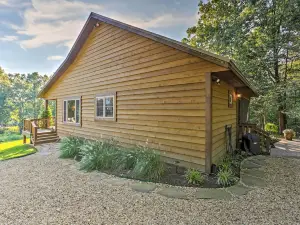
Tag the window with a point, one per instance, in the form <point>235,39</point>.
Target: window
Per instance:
<point>105,107</point>
<point>71,111</point>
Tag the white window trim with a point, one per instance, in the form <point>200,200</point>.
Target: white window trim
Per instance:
<point>112,94</point>
<point>65,119</point>
<point>114,105</point>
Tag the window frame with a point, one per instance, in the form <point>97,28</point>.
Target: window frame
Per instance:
<point>103,96</point>
<point>65,117</point>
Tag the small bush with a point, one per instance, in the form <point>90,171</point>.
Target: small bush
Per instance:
<point>148,164</point>
<point>271,128</point>
<point>10,137</point>
<point>289,134</point>
<point>99,155</point>
<point>226,177</point>
<point>70,147</point>
<point>194,177</point>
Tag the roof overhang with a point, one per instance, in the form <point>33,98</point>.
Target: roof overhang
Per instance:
<point>96,18</point>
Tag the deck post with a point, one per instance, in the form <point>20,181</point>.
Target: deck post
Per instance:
<point>46,109</point>
<point>208,122</point>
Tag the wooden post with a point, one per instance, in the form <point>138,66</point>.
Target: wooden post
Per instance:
<point>55,124</point>
<point>208,122</point>
<point>24,139</point>
<point>46,109</point>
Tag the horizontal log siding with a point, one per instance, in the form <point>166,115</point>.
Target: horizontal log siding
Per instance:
<point>222,115</point>
<point>160,93</point>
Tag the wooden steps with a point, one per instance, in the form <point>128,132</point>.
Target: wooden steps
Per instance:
<point>46,137</point>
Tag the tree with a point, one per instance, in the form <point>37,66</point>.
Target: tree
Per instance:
<point>4,93</point>
<point>262,36</point>
<point>18,97</point>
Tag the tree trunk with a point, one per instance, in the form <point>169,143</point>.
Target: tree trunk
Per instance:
<point>282,120</point>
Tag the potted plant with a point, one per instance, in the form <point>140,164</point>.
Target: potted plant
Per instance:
<point>288,134</point>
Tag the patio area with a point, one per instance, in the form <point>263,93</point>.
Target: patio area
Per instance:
<point>42,189</point>
<point>285,148</point>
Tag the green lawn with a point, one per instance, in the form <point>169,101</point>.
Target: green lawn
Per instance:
<point>15,149</point>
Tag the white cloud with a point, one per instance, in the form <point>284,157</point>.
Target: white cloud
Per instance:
<point>4,2</point>
<point>55,57</point>
<point>166,20</point>
<point>14,3</point>
<point>60,21</point>
<point>9,38</point>
<point>53,22</point>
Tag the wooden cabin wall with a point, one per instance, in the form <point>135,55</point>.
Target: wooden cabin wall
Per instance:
<point>222,115</point>
<point>160,94</point>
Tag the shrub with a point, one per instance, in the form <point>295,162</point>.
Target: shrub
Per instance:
<point>271,128</point>
<point>10,137</point>
<point>289,134</point>
<point>148,164</point>
<point>226,177</point>
<point>194,177</point>
<point>99,155</point>
<point>139,162</point>
<point>70,147</point>
<point>231,162</point>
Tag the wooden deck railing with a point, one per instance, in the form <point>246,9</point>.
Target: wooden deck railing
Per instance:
<point>245,128</point>
<point>31,126</point>
<point>34,131</point>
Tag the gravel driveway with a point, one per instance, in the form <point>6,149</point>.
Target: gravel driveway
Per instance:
<point>42,189</point>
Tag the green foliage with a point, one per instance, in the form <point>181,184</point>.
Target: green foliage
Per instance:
<point>271,128</point>
<point>10,134</point>
<point>10,137</point>
<point>46,113</point>
<point>99,155</point>
<point>148,164</point>
<point>139,162</point>
<point>226,177</point>
<point>194,177</point>
<point>18,97</point>
<point>15,149</point>
<point>70,147</point>
<point>229,169</point>
<point>263,39</point>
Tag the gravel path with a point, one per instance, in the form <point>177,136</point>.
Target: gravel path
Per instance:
<point>42,189</point>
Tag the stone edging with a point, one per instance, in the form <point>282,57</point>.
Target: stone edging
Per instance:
<point>251,176</point>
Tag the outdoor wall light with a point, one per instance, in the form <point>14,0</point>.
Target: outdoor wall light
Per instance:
<point>97,25</point>
<point>239,95</point>
<point>216,79</point>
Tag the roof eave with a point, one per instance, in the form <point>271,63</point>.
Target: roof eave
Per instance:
<point>232,66</point>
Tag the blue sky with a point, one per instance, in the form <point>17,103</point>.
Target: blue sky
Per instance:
<point>36,35</point>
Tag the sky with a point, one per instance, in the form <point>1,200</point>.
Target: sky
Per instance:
<point>36,35</point>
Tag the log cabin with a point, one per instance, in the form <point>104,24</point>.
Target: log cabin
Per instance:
<point>119,81</point>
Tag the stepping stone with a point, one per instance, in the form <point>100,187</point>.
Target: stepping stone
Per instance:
<point>212,193</point>
<point>143,187</point>
<point>173,193</point>
<point>258,162</point>
<point>260,157</point>
<point>117,182</point>
<point>238,189</point>
<point>254,172</point>
<point>252,181</point>
<point>247,164</point>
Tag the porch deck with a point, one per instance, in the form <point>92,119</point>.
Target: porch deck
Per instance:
<point>285,148</point>
<point>40,130</point>
<point>45,130</point>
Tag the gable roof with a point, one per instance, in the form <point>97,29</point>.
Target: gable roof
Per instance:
<point>95,18</point>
